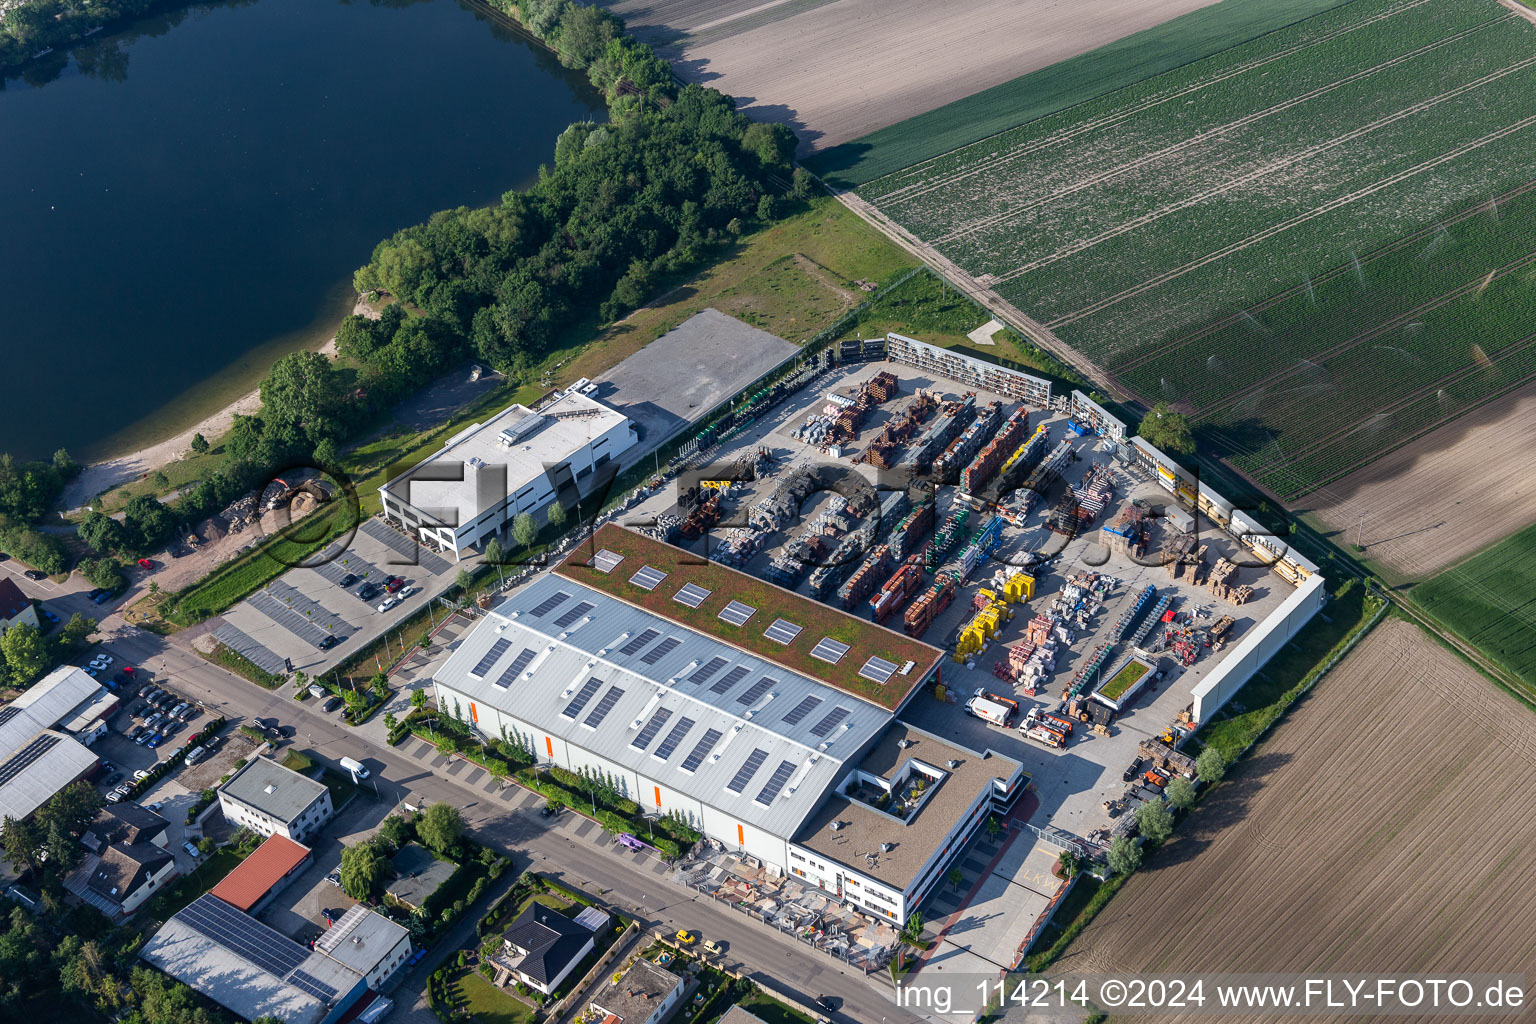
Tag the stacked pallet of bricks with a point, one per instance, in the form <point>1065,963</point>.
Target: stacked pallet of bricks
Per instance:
<point>785,571</point>
<point>826,577</point>
<point>946,537</point>
<point>1125,532</point>
<point>947,467</point>
<point>737,547</point>
<point>1178,552</point>
<point>1223,576</point>
<point>1163,604</point>
<point>1133,613</point>
<point>987,461</point>
<point>953,417</point>
<point>1012,667</point>
<point>896,590</point>
<point>865,577</point>
<point>702,517</point>
<point>909,533</point>
<point>1046,474</point>
<point>1093,493</point>
<point>930,604</point>
<point>985,542</point>
<point>1019,464</point>
<point>883,386</point>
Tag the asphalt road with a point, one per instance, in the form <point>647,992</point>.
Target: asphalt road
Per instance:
<point>521,834</point>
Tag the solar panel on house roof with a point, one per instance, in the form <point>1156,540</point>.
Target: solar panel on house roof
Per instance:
<point>748,769</point>
<point>776,782</point>
<point>573,613</point>
<point>272,951</point>
<point>307,982</point>
<point>596,715</point>
<point>832,721</point>
<point>701,750</point>
<point>648,578</point>
<point>674,737</point>
<point>659,719</point>
<point>25,757</point>
<point>547,605</point>
<point>755,692</point>
<point>587,690</point>
<point>660,651</point>
<point>829,650</point>
<point>491,657</point>
<point>518,664</point>
<point>878,669</point>
<point>638,641</point>
<point>799,711</point>
<point>729,680</point>
<point>737,613</point>
<point>606,561</point>
<point>782,631</point>
<point>691,595</point>
<point>708,669</point>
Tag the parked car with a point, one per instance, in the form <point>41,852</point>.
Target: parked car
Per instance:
<point>686,937</point>
<point>712,947</point>
<point>34,574</point>
<point>191,712</point>
<point>346,581</point>
<point>102,661</point>
<point>155,741</point>
<point>334,878</point>
<point>178,709</point>
<point>116,796</point>
<point>140,774</point>
<point>334,703</point>
<point>367,591</point>
<point>170,729</point>
<point>101,597</point>
<point>143,737</point>
<point>50,616</point>
<point>331,640</point>
<point>146,564</point>
<point>192,851</point>
<point>394,583</point>
<point>388,603</point>
<point>406,592</point>
<point>113,779</point>
<point>136,732</point>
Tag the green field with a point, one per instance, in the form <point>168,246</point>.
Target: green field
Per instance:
<point>1292,239</point>
<point>1490,601</point>
<point>1125,62</point>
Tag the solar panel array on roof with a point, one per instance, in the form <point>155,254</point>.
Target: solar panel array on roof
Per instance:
<point>606,561</point>
<point>674,737</point>
<point>588,688</point>
<point>708,669</point>
<point>730,679</point>
<point>755,692</point>
<point>307,982</point>
<point>878,669</point>
<point>748,769</point>
<point>272,951</point>
<point>636,642</point>
<point>596,715</point>
<point>691,595</point>
<point>660,651</point>
<point>832,721</point>
<point>701,750</point>
<point>491,657</point>
<point>775,782</point>
<point>573,613</point>
<point>8,713</point>
<point>518,664</point>
<point>652,727</point>
<point>782,631</point>
<point>648,578</point>
<point>548,605</point>
<point>829,650</point>
<point>26,757</point>
<point>737,613</point>
<point>799,711</point>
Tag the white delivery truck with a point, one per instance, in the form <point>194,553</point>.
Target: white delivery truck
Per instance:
<point>355,767</point>
<point>998,711</point>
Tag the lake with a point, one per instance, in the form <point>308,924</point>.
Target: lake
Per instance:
<point>184,199</point>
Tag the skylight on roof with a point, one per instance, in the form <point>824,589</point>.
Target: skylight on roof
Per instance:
<point>782,631</point>
<point>701,750</point>
<point>518,664</point>
<point>729,680</point>
<point>878,670</point>
<point>737,613</point>
<point>691,595</point>
<point>648,578</point>
<point>775,782</point>
<point>659,719</point>
<point>491,657</point>
<point>829,650</point>
<point>588,688</point>
<point>660,651</point>
<point>673,738</point>
<point>799,711</point>
<point>606,561</point>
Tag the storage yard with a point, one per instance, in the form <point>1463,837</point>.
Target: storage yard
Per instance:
<point>1041,603</point>
<point>1318,243</point>
<point>1299,871</point>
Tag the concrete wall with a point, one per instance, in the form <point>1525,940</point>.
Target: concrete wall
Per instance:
<point>1250,654</point>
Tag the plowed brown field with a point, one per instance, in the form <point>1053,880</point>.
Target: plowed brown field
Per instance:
<point>1388,825</point>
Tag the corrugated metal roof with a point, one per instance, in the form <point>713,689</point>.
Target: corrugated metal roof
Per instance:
<point>569,660</point>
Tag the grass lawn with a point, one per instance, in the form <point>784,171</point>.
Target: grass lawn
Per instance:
<point>340,786</point>
<point>189,887</point>
<point>487,1003</point>
<point>1487,600</point>
<point>771,1010</point>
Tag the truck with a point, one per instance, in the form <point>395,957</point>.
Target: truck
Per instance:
<point>1040,734</point>
<point>1035,720</point>
<point>987,709</point>
<point>355,767</point>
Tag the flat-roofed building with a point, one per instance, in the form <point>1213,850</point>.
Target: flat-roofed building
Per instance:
<point>518,461</point>
<point>38,755</point>
<point>643,994</point>
<point>273,800</point>
<point>368,943</point>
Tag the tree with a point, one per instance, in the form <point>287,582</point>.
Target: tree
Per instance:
<point>994,827</point>
<point>354,700</point>
<point>395,830</point>
<point>103,534</point>
<point>302,390</point>
<point>956,876</point>
<point>555,514</point>
<point>1124,855</point>
<point>160,480</point>
<point>524,530</point>
<point>23,842</point>
<point>914,924</point>
<point>64,463</point>
<point>1066,863</point>
<point>464,581</point>
<point>419,698</point>
<point>206,845</point>
<point>25,653</point>
<point>102,572</point>
<point>1168,430</point>
<point>1155,820</point>
<point>77,631</point>
<point>1181,792</point>
<point>495,554</point>
<point>327,455</point>
<point>362,869</point>
<point>380,685</point>
<point>200,444</point>
<point>1211,765</point>
<point>440,827</point>
<point>390,721</point>
<point>71,808</point>
<point>149,523</point>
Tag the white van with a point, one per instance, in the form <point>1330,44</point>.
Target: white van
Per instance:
<point>355,767</point>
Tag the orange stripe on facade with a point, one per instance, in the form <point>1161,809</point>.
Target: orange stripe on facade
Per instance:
<point>658,798</point>
<point>741,836</point>
<point>474,713</point>
<point>549,746</point>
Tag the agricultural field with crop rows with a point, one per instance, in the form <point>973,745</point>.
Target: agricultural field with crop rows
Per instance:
<point>1222,236</point>
<point>1488,599</point>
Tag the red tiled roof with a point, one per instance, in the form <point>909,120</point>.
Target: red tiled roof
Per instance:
<point>12,601</point>
<point>254,877</point>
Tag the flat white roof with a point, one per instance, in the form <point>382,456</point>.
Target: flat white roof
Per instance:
<point>518,438</point>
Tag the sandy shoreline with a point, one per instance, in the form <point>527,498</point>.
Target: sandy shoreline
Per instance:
<point>108,473</point>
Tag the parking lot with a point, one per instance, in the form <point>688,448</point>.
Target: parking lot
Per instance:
<point>291,617</point>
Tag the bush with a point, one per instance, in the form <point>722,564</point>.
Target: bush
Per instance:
<point>103,572</point>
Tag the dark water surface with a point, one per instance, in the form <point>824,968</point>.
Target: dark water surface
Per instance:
<point>185,199</point>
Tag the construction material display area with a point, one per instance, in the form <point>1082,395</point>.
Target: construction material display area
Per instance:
<point>1318,243</point>
<point>1317,857</point>
<point>952,570</point>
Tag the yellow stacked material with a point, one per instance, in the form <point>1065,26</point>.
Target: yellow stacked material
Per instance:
<point>1020,587</point>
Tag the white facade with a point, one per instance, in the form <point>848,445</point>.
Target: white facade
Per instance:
<point>272,800</point>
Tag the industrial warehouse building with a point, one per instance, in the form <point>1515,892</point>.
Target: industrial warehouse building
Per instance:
<point>703,691</point>
<point>484,477</point>
<point>44,738</point>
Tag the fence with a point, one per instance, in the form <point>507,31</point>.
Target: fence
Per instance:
<point>1043,920</point>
